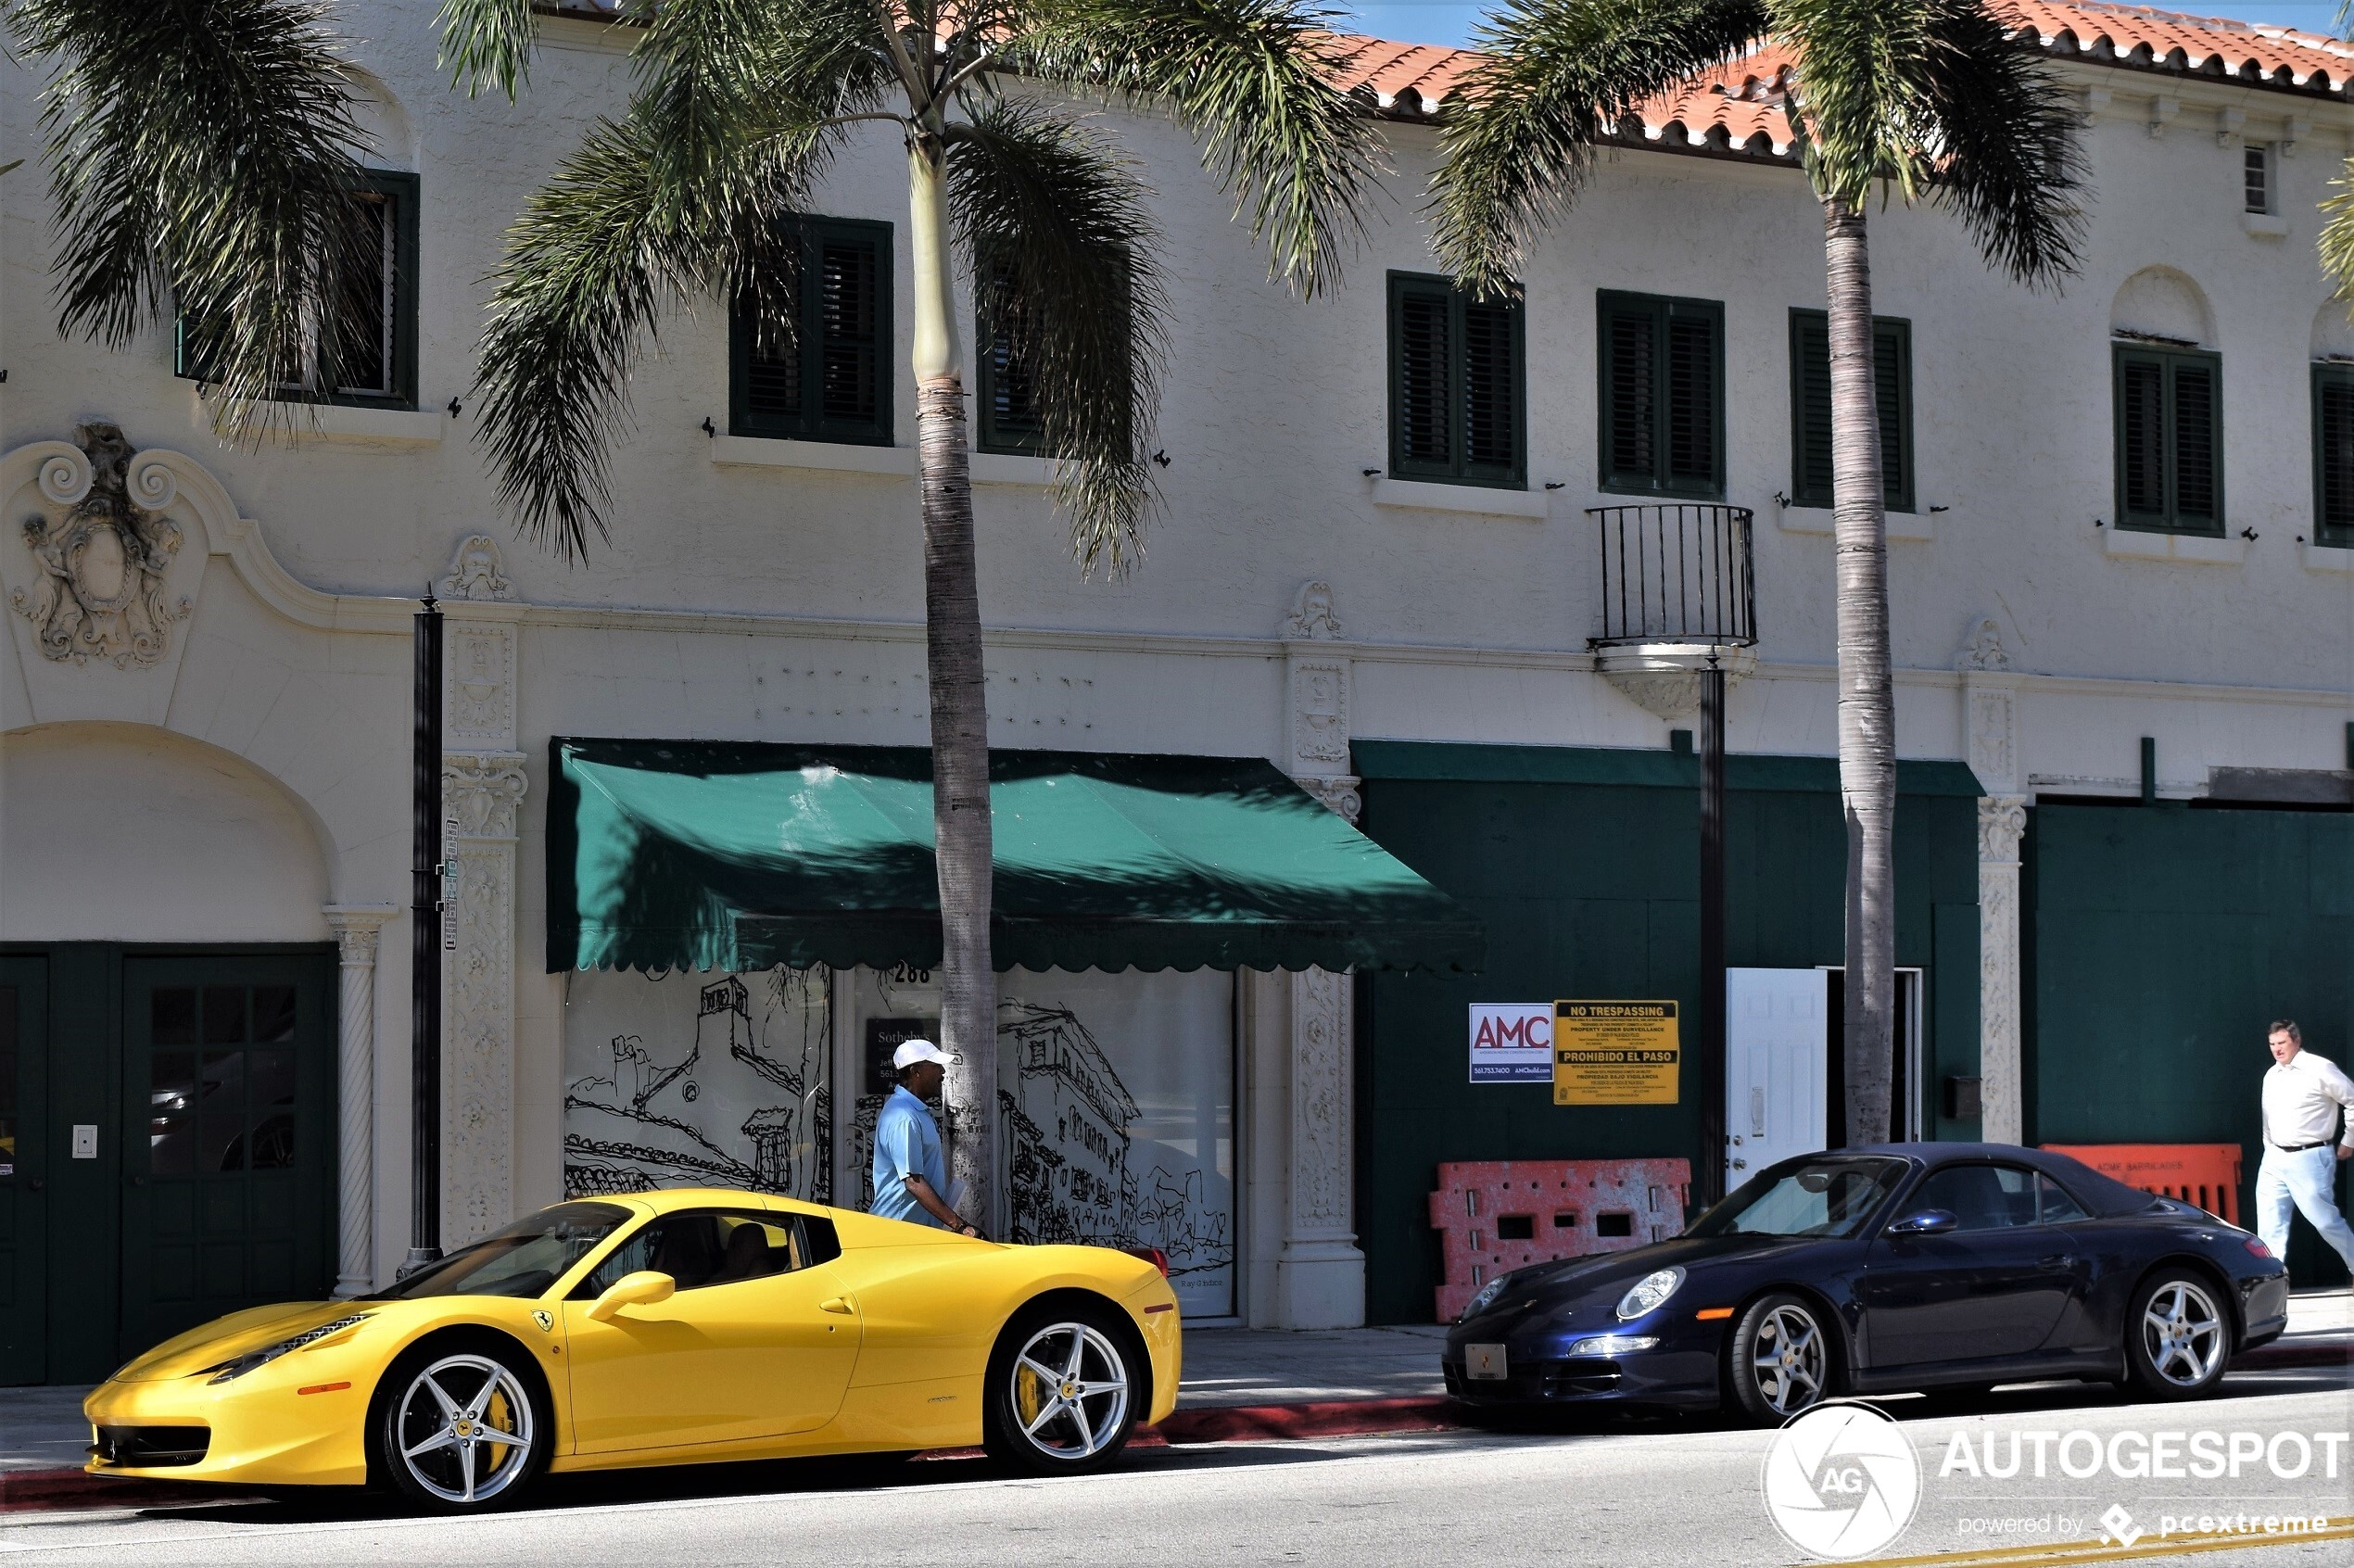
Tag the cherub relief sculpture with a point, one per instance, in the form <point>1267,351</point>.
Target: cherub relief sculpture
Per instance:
<point>102,560</point>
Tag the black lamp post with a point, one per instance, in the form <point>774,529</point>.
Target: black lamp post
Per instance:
<point>425,854</point>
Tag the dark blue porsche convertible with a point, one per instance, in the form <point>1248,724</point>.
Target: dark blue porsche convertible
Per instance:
<point>1941,1268</point>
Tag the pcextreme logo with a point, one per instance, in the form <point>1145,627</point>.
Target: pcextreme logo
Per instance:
<point>1842,1481</point>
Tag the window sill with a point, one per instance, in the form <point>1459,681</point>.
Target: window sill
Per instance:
<point>1818,520</point>
<point>767,451</point>
<point>2265,225</point>
<point>343,423</point>
<point>2326,558</point>
<point>2200,549</point>
<point>1478,500</point>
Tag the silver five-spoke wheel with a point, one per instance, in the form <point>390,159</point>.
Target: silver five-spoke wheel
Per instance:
<point>463,1429</point>
<point>1786,1360</point>
<point>1070,1391</point>
<point>2182,1333</point>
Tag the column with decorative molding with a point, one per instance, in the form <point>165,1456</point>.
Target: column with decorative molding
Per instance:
<point>1990,717</point>
<point>483,784</point>
<point>357,928</point>
<point>1316,681</point>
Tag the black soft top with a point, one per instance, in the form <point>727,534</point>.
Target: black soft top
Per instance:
<point>2101,1196</point>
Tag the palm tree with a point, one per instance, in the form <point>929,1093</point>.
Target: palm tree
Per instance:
<point>739,106</point>
<point>1933,100</point>
<point>200,158</point>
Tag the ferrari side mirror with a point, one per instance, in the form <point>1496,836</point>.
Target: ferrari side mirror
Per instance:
<point>1922,1223</point>
<point>641,1289</point>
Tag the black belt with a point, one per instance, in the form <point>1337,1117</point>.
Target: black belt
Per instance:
<point>2300,1148</point>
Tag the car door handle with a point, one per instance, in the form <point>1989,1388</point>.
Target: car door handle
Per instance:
<point>837,1303</point>
<point>2057,1261</point>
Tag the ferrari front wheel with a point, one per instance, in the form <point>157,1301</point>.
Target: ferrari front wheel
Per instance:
<point>459,1426</point>
<point>1064,1385</point>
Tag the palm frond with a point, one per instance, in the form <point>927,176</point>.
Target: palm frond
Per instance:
<point>2012,162</point>
<point>1863,99</point>
<point>200,152</point>
<point>1560,77</point>
<point>488,41</point>
<point>1254,81</point>
<point>1060,236</point>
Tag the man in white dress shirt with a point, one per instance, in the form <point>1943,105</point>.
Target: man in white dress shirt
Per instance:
<point>2304,1097</point>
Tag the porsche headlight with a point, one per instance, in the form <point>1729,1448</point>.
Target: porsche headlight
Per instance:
<point>1485,1299</point>
<point>263,1357</point>
<point>1649,1292</point>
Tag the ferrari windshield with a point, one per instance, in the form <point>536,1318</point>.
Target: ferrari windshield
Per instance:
<point>523,1260</point>
<point>1815,1197</point>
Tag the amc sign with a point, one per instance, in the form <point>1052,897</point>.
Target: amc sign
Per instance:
<point>1511,1042</point>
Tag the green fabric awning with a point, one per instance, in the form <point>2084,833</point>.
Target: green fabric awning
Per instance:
<point>741,855</point>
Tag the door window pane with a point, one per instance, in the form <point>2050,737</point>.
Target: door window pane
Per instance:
<point>171,1112</point>
<point>269,1137</point>
<point>171,1016</point>
<point>7,1080</point>
<point>2053,1203</point>
<point>1983,1198</point>
<point>224,1015</point>
<point>273,1014</point>
<point>220,1122</point>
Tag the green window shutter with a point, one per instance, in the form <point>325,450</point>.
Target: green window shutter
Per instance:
<point>1010,421</point>
<point>2334,454</point>
<point>2169,440</point>
<point>194,349</point>
<point>1457,393</point>
<point>1892,394</point>
<point>1810,407</point>
<point>826,380</point>
<point>1662,364</point>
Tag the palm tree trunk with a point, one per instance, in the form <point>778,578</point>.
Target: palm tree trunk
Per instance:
<point>1866,701</point>
<point>959,704</point>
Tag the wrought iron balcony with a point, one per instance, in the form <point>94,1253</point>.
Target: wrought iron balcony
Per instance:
<point>1675,572</point>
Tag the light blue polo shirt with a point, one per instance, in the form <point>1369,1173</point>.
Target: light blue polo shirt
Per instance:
<point>907,1143</point>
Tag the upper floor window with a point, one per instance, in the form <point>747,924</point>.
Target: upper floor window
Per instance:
<point>1010,420</point>
<point>2334,454</point>
<point>366,352</point>
<point>826,381</point>
<point>2256,178</point>
<point>1810,407</point>
<point>1662,394</point>
<point>1457,387</point>
<point>2169,440</point>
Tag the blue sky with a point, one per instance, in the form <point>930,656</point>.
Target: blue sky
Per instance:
<point>1441,21</point>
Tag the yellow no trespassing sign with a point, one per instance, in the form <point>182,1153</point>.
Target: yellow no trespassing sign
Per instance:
<point>1615,1053</point>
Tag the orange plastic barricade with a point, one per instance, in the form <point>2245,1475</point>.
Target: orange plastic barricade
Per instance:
<point>2204,1175</point>
<point>1495,1216</point>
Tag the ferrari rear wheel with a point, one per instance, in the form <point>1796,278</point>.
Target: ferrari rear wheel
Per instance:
<point>1783,1358</point>
<point>1064,1384</point>
<point>459,1426</point>
<point>2177,1339</point>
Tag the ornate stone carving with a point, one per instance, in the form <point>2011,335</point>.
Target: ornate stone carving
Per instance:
<point>480,792</point>
<point>477,571</point>
<point>2001,820</point>
<point>1664,678</point>
<point>357,928</point>
<point>1993,755</point>
<point>481,707</point>
<point>1337,791</point>
<point>1313,618</point>
<point>103,554</point>
<point>1319,713</point>
<point>1983,647</point>
<point>1320,1102</point>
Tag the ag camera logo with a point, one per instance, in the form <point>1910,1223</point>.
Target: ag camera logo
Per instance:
<point>1842,1481</point>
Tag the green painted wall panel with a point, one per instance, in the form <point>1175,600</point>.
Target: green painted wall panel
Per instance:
<point>1592,890</point>
<point>2163,942</point>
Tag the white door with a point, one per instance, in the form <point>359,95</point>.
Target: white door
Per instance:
<point>1774,1048</point>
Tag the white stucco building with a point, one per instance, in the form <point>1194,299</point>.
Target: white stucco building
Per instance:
<point>204,803</point>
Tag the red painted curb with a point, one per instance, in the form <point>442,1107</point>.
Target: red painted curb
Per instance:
<point>30,1490</point>
<point>1323,1418</point>
<point>2336,1353</point>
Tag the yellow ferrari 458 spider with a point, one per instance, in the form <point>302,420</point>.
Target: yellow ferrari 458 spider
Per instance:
<point>662,1328</point>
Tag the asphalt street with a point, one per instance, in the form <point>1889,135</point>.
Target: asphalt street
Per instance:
<point>1605,1491</point>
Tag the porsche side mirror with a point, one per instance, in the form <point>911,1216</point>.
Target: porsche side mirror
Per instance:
<point>1922,1223</point>
<point>641,1289</point>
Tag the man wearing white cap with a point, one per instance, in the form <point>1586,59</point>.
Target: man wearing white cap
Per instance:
<point>910,1181</point>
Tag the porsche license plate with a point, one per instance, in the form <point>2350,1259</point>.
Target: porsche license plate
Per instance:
<point>1484,1362</point>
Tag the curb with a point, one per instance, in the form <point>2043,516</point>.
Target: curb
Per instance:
<point>1323,1418</point>
<point>30,1491</point>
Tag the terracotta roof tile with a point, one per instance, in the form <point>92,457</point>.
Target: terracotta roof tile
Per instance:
<point>1738,108</point>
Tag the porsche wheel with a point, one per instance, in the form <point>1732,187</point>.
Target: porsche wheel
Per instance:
<point>2177,1338</point>
<point>1783,1359</point>
<point>459,1426</point>
<point>1065,1383</point>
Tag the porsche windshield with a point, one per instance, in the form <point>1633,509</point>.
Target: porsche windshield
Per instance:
<point>1817,1197</point>
<point>523,1260</point>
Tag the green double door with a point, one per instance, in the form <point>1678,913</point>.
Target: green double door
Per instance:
<point>166,1125</point>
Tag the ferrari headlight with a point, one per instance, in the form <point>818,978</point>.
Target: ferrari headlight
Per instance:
<point>1485,1299</point>
<point>1649,1292</point>
<point>252,1359</point>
